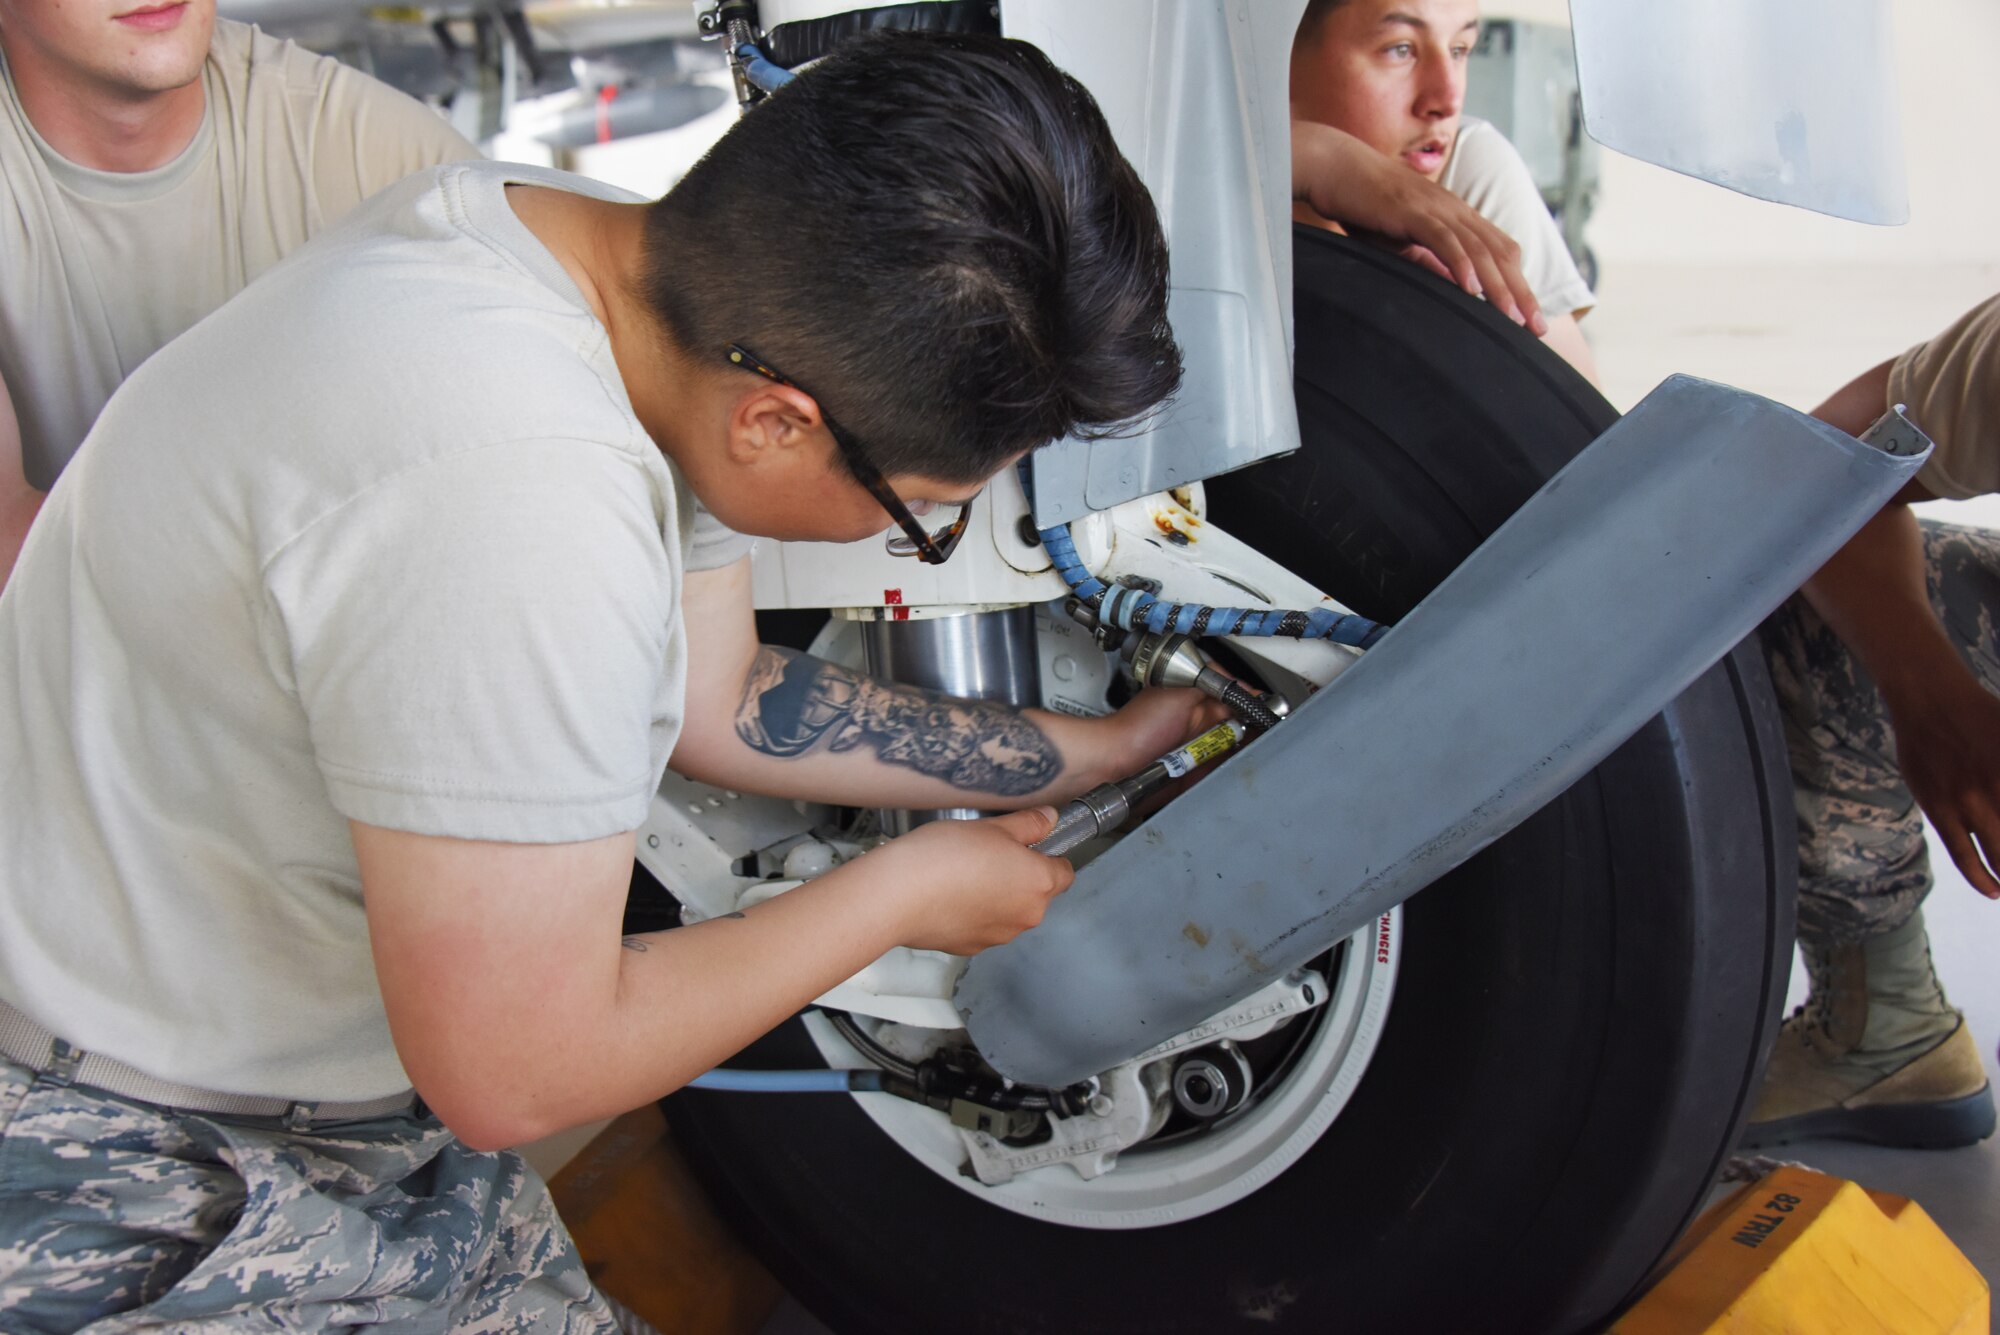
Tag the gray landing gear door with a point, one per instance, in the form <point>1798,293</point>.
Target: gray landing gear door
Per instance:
<point>1792,101</point>
<point>1618,583</point>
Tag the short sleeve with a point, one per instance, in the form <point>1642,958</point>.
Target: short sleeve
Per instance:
<point>367,136</point>
<point>488,646</point>
<point>711,544</point>
<point>1488,173</point>
<point>1951,388</point>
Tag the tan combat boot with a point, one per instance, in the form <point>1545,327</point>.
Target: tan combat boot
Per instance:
<point>1876,1054</point>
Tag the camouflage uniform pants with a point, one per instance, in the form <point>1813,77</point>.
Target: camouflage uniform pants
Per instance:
<point>121,1216</point>
<point>1863,867</point>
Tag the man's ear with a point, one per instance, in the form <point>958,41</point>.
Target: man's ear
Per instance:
<point>770,422</point>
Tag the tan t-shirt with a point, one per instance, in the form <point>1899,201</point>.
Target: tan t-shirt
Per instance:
<point>99,270</point>
<point>382,540</point>
<point>1951,386</point>
<point>1487,172</point>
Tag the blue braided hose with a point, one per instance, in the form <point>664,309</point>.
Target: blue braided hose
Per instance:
<point>1135,609</point>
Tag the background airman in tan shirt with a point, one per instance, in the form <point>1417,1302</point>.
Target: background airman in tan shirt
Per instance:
<point>155,160</point>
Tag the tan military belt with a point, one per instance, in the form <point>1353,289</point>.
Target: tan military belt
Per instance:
<point>24,1041</point>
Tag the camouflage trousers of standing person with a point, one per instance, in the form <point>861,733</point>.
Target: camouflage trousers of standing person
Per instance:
<point>1863,865</point>
<point>117,1216</point>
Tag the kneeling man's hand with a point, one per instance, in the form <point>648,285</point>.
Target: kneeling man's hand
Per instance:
<point>1948,745</point>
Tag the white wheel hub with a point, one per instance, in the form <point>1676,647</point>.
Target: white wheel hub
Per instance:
<point>1191,1176</point>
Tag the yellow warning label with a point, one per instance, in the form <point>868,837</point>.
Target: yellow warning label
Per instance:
<point>1201,750</point>
<point>1211,744</point>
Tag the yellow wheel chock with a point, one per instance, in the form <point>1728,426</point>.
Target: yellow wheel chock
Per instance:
<point>1800,1253</point>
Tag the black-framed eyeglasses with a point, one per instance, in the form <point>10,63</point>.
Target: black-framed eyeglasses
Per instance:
<point>933,548</point>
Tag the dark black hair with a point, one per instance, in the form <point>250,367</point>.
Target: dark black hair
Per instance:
<point>937,235</point>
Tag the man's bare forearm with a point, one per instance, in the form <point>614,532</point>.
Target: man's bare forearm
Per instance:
<point>517,1010</point>
<point>688,999</point>
<point>1874,596</point>
<point>535,1018</point>
<point>1874,592</point>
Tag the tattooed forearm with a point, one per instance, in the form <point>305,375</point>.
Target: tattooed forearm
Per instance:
<point>634,943</point>
<point>794,705</point>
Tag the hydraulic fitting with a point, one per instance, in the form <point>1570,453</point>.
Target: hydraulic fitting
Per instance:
<point>1176,660</point>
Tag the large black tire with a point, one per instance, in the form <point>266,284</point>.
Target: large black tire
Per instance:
<point>1581,1009</point>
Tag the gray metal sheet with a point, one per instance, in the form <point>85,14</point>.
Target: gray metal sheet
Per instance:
<point>1615,586</point>
<point>1787,100</point>
<point>1194,91</point>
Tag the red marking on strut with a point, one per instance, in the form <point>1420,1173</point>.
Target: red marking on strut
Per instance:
<point>605,97</point>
